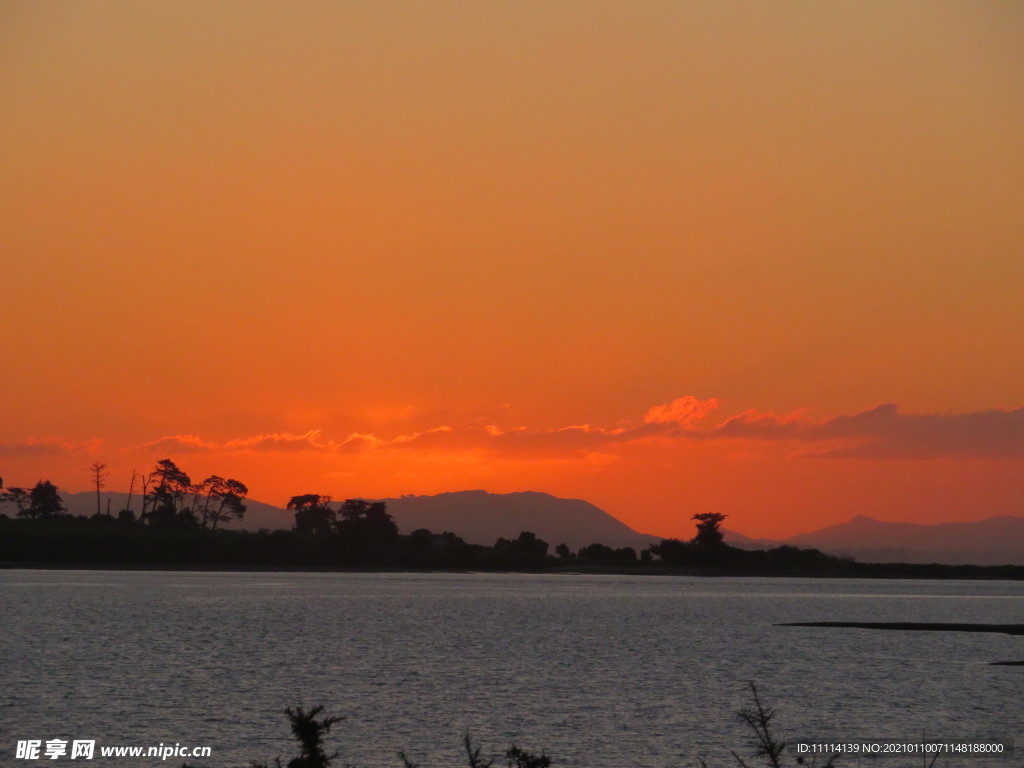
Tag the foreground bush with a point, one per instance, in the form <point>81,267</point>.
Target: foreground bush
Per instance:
<point>310,729</point>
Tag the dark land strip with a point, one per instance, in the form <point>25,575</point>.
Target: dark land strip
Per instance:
<point>920,626</point>
<point>913,626</point>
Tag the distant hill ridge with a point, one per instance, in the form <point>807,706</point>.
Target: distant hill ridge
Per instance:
<point>994,541</point>
<point>258,514</point>
<point>481,517</point>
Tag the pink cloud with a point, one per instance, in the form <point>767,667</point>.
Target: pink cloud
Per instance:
<point>281,441</point>
<point>179,444</point>
<point>883,432</point>
<point>274,441</point>
<point>683,411</point>
<point>519,441</point>
<point>764,426</point>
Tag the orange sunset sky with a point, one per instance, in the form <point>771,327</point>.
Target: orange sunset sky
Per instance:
<point>764,258</point>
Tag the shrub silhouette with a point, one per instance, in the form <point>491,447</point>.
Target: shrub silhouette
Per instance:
<point>310,730</point>
<point>520,758</point>
<point>768,748</point>
<point>516,757</point>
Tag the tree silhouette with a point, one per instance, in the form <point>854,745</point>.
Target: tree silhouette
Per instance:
<point>313,514</point>
<point>673,551</point>
<point>709,532</point>
<point>126,517</point>
<point>19,498</point>
<point>167,497</point>
<point>99,475</point>
<point>44,500</point>
<point>365,524</point>
<point>525,546</point>
<point>224,500</point>
<point>128,504</point>
<point>146,480</point>
<point>597,551</point>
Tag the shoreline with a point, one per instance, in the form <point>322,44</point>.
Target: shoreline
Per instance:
<point>562,570</point>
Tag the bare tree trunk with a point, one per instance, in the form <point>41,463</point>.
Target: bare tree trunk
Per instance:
<point>99,472</point>
<point>146,480</point>
<point>131,487</point>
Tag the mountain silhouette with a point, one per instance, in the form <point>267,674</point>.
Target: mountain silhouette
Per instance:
<point>257,514</point>
<point>480,517</point>
<point>993,541</point>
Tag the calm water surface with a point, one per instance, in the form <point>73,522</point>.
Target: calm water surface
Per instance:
<point>602,671</point>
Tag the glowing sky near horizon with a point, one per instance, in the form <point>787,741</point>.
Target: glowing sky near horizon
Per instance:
<point>764,259</point>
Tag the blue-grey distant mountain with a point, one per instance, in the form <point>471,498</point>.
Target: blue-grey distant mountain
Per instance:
<point>480,517</point>
<point>258,515</point>
<point>993,541</point>
<point>740,541</point>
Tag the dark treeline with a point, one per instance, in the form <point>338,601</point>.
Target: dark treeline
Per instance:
<point>174,521</point>
<point>168,499</point>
